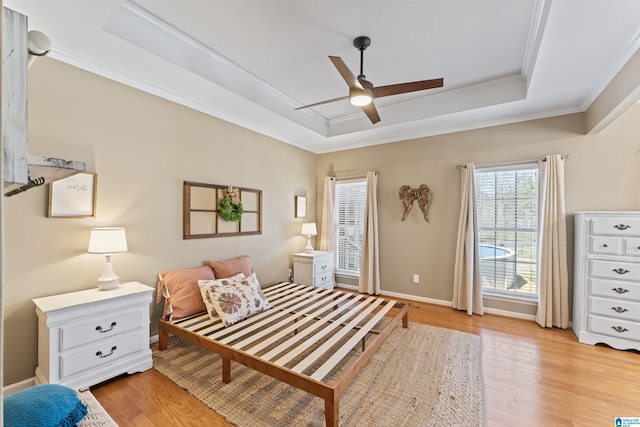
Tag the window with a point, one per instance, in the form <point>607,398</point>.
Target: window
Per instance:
<point>507,208</point>
<point>350,209</point>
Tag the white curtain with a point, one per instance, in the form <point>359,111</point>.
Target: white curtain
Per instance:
<point>553,282</point>
<point>370,263</point>
<point>327,227</point>
<point>467,287</point>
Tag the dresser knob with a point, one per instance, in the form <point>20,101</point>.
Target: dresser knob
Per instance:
<point>605,246</point>
<point>102,356</point>
<point>619,329</point>
<point>621,270</point>
<point>620,290</point>
<point>99,328</point>
<point>622,226</point>
<point>619,309</point>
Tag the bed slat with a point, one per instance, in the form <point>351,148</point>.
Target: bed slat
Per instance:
<point>327,366</point>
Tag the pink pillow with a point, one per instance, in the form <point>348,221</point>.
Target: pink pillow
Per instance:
<point>181,291</point>
<point>231,267</point>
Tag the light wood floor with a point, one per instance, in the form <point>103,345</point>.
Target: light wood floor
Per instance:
<point>533,377</point>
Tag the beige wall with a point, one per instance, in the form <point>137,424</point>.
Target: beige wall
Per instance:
<point>602,173</point>
<point>142,148</point>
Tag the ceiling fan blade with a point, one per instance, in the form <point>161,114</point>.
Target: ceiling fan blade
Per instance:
<point>344,71</point>
<point>397,89</point>
<point>371,112</point>
<point>342,98</point>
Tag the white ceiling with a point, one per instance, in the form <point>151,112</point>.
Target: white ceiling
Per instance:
<point>253,62</point>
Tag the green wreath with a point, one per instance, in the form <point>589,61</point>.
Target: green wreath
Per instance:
<point>230,211</point>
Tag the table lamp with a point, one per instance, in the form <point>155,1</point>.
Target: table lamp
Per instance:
<point>108,241</point>
<point>309,229</point>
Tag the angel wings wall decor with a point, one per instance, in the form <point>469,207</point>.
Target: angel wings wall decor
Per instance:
<point>408,195</point>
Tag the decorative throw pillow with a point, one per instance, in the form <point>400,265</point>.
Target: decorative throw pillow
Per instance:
<point>205,284</point>
<point>181,292</point>
<point>234,300</point>
<point>231,267</point>
<point>45,405</point>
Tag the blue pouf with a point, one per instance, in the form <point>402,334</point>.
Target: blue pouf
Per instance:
<point>46,405</point>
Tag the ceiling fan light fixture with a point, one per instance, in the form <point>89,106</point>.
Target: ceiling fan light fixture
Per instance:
<point>360,97</point>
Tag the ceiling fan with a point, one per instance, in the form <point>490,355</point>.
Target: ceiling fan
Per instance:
<point>362,91</point>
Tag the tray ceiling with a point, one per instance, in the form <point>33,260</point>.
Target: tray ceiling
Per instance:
<point>253,62</point>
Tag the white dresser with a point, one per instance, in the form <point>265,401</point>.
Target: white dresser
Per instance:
<point>314,269</point>
<point>606,282</point>
<point>90,336</point>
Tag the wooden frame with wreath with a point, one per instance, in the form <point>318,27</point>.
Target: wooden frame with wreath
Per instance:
<point>213,210</point>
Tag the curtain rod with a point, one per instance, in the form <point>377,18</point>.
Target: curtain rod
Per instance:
<point>359,176</point>
<point>520,162</point>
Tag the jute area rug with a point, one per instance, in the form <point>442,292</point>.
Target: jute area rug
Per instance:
<point>421,376</point>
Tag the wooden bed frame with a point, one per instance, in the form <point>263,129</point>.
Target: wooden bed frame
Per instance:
<point>300,340</point>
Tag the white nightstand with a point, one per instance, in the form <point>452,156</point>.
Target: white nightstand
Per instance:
<point>314,269</point>
<point>90,336</point>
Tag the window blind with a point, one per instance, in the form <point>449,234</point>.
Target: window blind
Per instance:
<point>350,210</point>
<point>507,215</point>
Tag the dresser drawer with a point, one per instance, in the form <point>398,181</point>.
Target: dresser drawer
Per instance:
<point>619,328</point>
<point>99,354</point>
<point>632,247</point>
<point>615,308</point>
<point>615,270</point>
<point>616,226</point>
<point>605,245</point>
<point>99,328</point>
<point>614,289</point>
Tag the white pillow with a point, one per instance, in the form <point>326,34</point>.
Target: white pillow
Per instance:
<point>233,299</point>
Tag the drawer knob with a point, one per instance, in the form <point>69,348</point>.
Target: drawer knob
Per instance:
<point>622,226</point>
<point>619,329</point>
<point>619,309</point>
<point>621,270</point>
<point>620,290</point>
<point>102,356</point>
<point>605,246</point>
<point>99,328</point>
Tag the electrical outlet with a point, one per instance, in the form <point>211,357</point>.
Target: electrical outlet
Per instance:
<point>416,278</point>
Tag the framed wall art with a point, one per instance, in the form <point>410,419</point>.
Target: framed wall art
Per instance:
<point>212,210</point>
<point>73,196</point>
<point>301,207</point>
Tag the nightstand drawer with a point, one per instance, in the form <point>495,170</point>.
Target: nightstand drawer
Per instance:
<point>99,354</point>
<point>100,328</point>
<point>322,267</point>
<point>323,279</point>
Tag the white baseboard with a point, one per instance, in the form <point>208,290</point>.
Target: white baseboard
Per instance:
<point>444,303</point>
<point>16,387</point>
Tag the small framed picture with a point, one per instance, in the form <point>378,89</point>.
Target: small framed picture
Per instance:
<point>301,207</point>
<point>73,196</point>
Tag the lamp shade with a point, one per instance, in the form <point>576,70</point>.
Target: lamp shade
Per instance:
<point>309,229</point>
<point>107,240</point>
